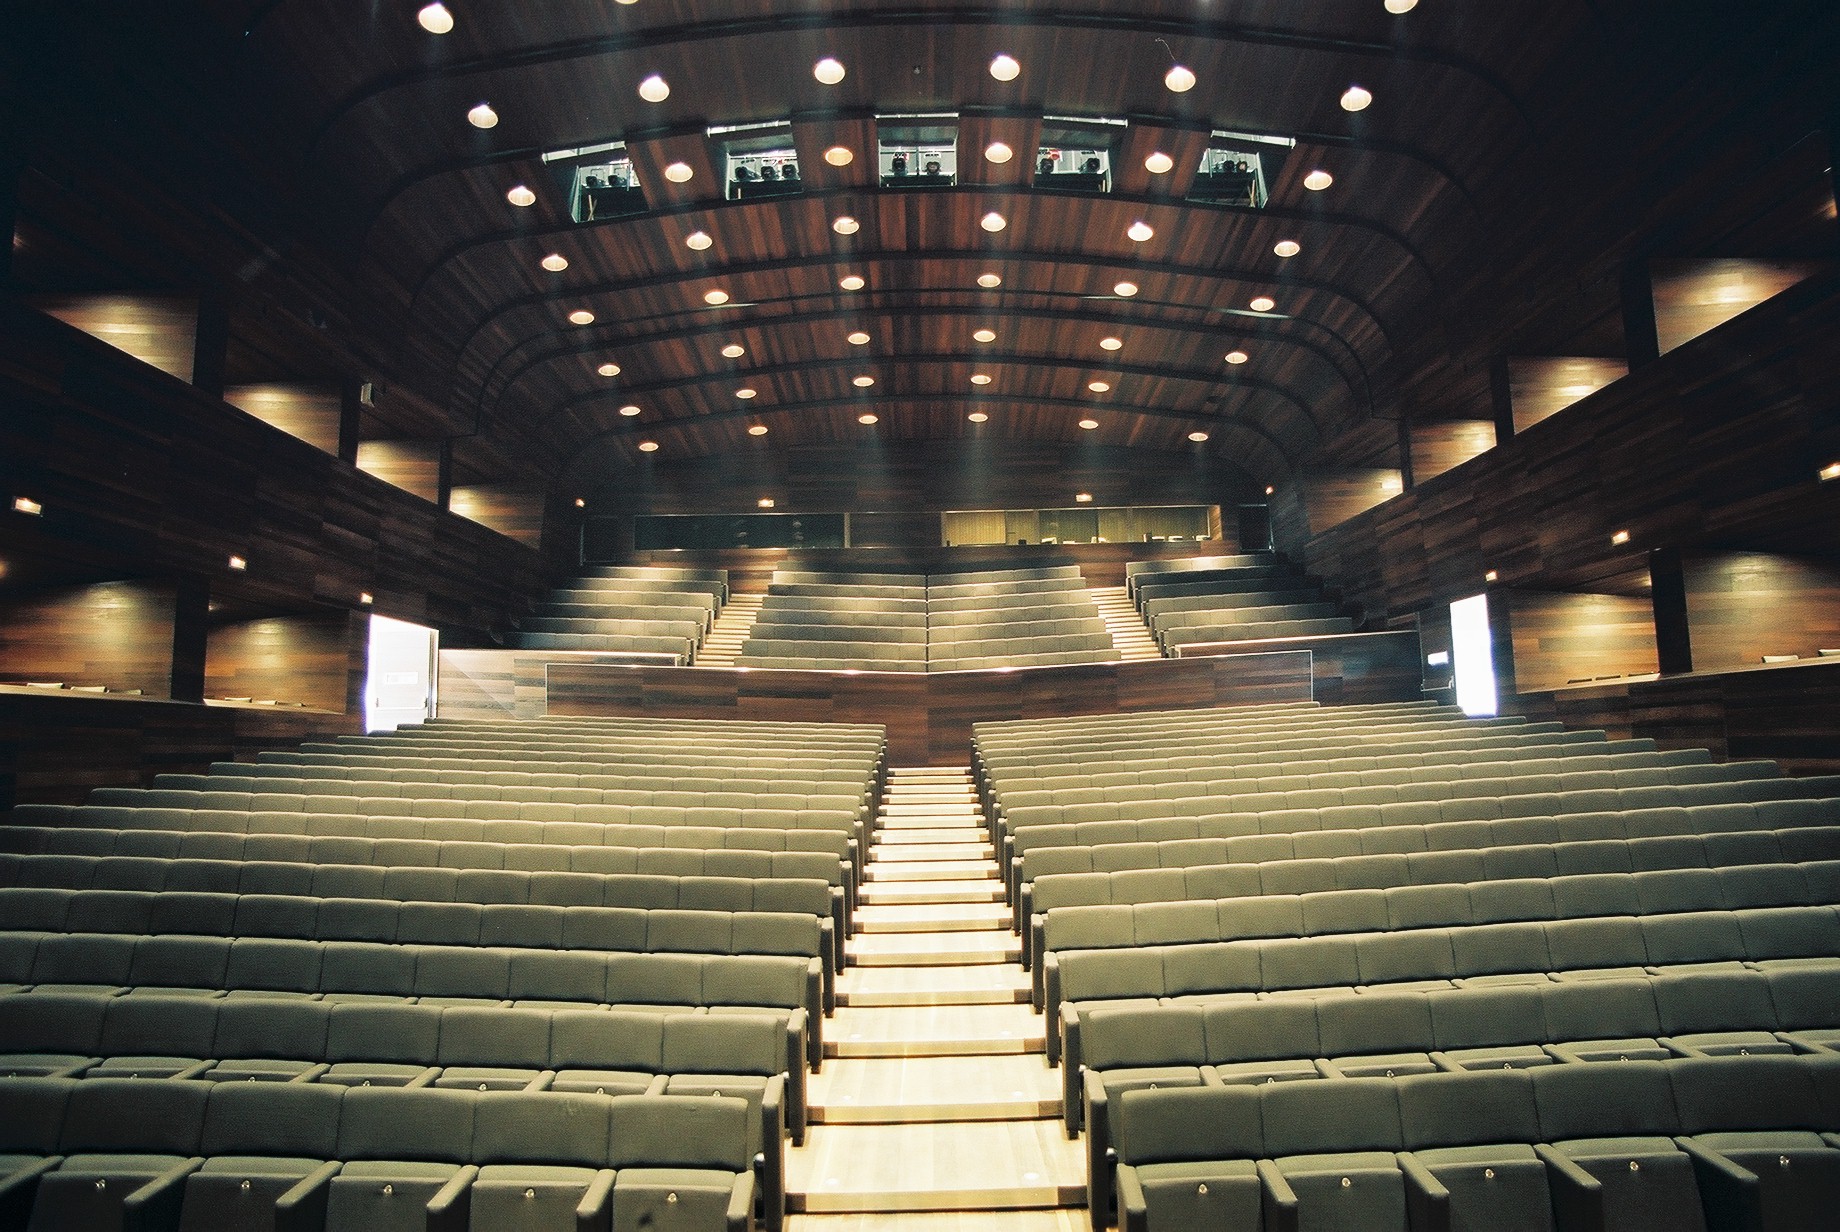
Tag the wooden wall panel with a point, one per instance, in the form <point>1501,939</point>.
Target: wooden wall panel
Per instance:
<point>514,512</point>
<point>1440,447</point>
<point>318,661</point>
<point>305,412</point>
<point>1314,502</point>
<point>1694,296</point>
<point>1561,638</point>
<point>155,329</point>
<point>1541,387</point>
<point>413,466</point>
<point>118,634</point>
<point>1744,605</point>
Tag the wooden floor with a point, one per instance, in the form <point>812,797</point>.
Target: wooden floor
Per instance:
<point>935,1110</point>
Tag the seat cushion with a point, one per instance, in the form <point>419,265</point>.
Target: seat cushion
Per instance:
<point>384,1195</point>
<point>1211,1194</point>
<point>605,1081</point>
<point>671,1199</point>
<point>1499,1187</point>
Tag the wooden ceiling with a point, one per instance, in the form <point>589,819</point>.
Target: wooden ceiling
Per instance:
<point>356,116</point>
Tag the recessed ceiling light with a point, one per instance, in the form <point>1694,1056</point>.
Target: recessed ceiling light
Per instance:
<point>482,116</point>
<point>1111,344</point>
<point>1125,290</point>
<point>679,173</point>
<point>1263,303</point>
<point>851,282</point>
<point>1158,163</point>
<point>757,429</point>
<point>1139,231</point>
<point>521,196</point>
<point>654,89</point>
<point>697,241</point>
<point>745,393</point>
<point>715,297</point>
<point>435,19</point>
<point>238,563</point>
<point>839,156</point>
<point>555,263</point>
<point>867,417</point>
<point>862,382</point>
<point>980,378</point>
<point>985,335</point>
<point>581,502</point>
<point>1099,387</point>
<point>1197,437</point>
<point>998,152</point>
<point>828,71</point>
<point>609,369</point>
<point>1356,98</point>
<point>1270,491</point>
<point>1396,7</point>
<point>1318,180</point>
<point>648,446</point>
<point>1287,248</point>
<point>1004,68</point>
<point>977,417</point>
<point>1237,357</point>
<point>858,338</point>
<point>734,350</point>
<point>1180,78</point>
<point>1084,498</point>
<point>581,316</point>
<point>989,282</point>
<point>765,502</point>
<point>1089,424</point>
<point>629,411</point>
<point>845,225</point>
<point>993,222</point>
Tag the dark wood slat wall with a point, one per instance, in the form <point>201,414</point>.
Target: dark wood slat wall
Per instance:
<point>1744,605</point>
<point>117,634</point>
<point>317,661</point>
<point>413,466</point>
<point>515,512</point>
<point>1540,387</point>
<point>1440,447</point>
<point>1560,638</point>
<point>1315,502</point>
<point>156,329</point>
<point>308,413</point>
<point>1693,296</point>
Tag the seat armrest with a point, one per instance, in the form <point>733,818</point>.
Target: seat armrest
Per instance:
<point>740,1214</point>
<point>594,1213</point>
<point>1277,1197</point>
<point>156,1204</point>
<point>19,1189</point>
<point>1064,1045</point>
<point>303,1208</point>
<point>1427,1200</point>
<point>1133,1209</point>
<point>312,1073</point>
<point>423,1079</point>
<point>451,1209</point>
<point>1577,1196</point>
<point>1731,1193</point>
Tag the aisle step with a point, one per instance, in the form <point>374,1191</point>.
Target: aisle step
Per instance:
<point>929,870</point>
<point>923,821</point>
<point>890,986</point>
<point>975,890</point>
<point>970,833</point>
<point>933,1031</point>
<point>1064,1220</point>
<point>907,853</point>
<point>934,949</point>
<point>892,1090</point>
<point>932,917</point>
<point>950,1165</point>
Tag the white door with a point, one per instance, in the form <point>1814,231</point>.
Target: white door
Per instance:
<point>399,685</point>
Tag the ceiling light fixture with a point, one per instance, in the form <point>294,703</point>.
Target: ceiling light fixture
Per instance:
<point>581,316</point>
<point>26,505</point>
<point>482,116</point>
<point>555,263</point>
<point>521,196</point>
<point>1830,471</point>
<point>654,89</point>
<point>1158,163</point>
<point>366,598</point>
<point>851,282</point>
<point>435,19</point>
<point>1270,491</point>
<point>1084,498</point>
<point>1620,538</point>
<point>238,563</point>
<point>734,350</point>
<point>980,378</point>
<point>609,369</point>
<point>1089,424</point>
<point>858,338</point>
<point>679,173</point>
<point>629,411</point>
<point>867,417</point>
<point>862,382</point>
<point>1125,290</point>
<point>757,429</point>
<point>1263,303</point>
<point>989,282</point>
<point>977,417</point>
<point>1180,79</point>
<point>697,241</point>
<point>1198,437</point>
<point>1318,180</point>
<point>839,156</point>
<point>985,335</point>
<point>1491,576</point>
<point>845,225</point>
<point>1100,387</point>
<point>1237,357</point>
<point>1398,7</point>
<point>1357,98</point>
<point>1004,67</point>
<point>1112,344</point>
<point>993,222</point>
<point>1139,231</point>
<point>716,297</point>
<point>648,446</point>
<point>1287,248</point>
<point>998,152</point>
<point>745,392</point>
<point>829,71</point>
<point>765,502</point>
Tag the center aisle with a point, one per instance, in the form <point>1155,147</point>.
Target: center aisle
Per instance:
<point>936,1108</point>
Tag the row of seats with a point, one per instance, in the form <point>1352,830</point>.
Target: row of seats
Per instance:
<point>203,1156</point>
<point>640,611</point>
<point>1230,600</point>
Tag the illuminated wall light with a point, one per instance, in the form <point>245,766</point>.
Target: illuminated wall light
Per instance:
<point>716,297</point>
<point>1237,357</point>
<point>1089,424</point>
<point>1180,79</point>
<point>980,378</point>
<point>1158,163</point>
<point>985,335</point>
<point>648,446</point>
<point>521,197</point>
<point>1112,344</point>
<point>1491,576</point>
<point>993,222</point>
<point>746,392</point>
<point>238,563</point>
<point>851,282</point>
<point>1263,303</point>
<point>581,316</point>
<point>435,19</point>
<point>1287,248</point>
<point>1139,231</point>
<point>1084,498</point>
<point>765,502</point>
<point>629,410</point>
<point>1099,387</point>
<point>989,282</point>
<point>1125,290</point>
<point>555,263</point>
<point>839,156</point>
<point>862,382</point>
<point>858,338</point>
<point>1620,538</point>
<point>1400,7</point>
<point>998,152</point>
<point>698,241</point>
<point>581,502</point>
<point>1004,67</point>
<point>733,350</point>
<point>1270,491</point>
<point>867,418</point>
<point>1830,471</point>
<point>845,225</point>
<point>482,116</point>
<point>679,173</point>
<point>1200,438</point>
<point>757,429</point>
<point>828,71</point>
<point>28,506</point>
<point>1318,180</point>
<point>1357,98</point>
<point>977,417</point>
<point>654,89</point>
<point>609,369</point>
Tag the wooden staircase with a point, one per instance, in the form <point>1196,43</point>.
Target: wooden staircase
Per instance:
<point>1129,633</point>
<point>731,628</point>
<point>936,1110</point>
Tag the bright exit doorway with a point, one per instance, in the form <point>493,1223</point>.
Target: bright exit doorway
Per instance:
<point>399,684</point>
<point>1473,655</point>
